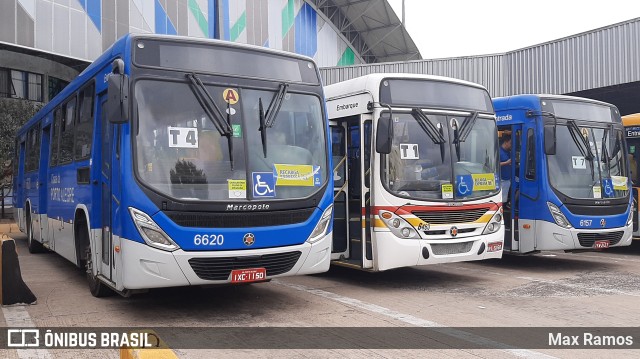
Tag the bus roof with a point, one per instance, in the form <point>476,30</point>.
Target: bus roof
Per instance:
<point>533,101</point>
<point>121,48</point>
<point>371,83</point>
<point>631,120</point>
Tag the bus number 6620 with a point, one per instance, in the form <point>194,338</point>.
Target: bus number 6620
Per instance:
<point>208,239</point>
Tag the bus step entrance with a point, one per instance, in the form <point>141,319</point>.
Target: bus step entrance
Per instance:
<point>356,249</point>
<point>508,245</point>
<point>351,263</point>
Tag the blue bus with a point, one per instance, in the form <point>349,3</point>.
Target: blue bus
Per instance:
<point>175,161</point>
<point>568,180</point>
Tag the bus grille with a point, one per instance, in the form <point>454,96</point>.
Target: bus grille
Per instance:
<point>588,238</point>
<point>238,220</point>
<point>451,248</point>
<point>455,216</point>
<point>220,268</point>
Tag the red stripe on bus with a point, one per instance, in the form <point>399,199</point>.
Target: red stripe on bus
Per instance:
<point>409,209</point>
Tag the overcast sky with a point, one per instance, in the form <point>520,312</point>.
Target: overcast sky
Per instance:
<point>448,28</point>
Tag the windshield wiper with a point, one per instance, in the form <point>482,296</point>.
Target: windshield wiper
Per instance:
<point>268,119</point>
<point>580,141</point>
<point>461,133</point>
<point>213,111</point>
<point>435,134</point>
<point>605,151</point>
<point>427,126</point>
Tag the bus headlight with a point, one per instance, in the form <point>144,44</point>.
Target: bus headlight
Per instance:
<point>398,225</point>
<point>558,217</point>
<point>322,226</point>
<point>152,234</point>
<point>631,210</point>
<point>494,224</point>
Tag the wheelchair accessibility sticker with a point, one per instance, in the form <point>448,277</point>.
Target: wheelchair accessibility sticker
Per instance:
<point>264,184</point>
<point>464,185</point>
<point>607,188</point>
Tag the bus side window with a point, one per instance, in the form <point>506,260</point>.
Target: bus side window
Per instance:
<point>66,131</point>
<point>55,137</point>
<point>33,149</point>
<point>530,164</point>
<point>84,127</point>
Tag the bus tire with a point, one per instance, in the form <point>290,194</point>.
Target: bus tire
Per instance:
<point>97,288</point>
<point>34,246</point>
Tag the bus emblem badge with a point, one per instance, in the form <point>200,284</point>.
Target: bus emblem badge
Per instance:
<point>603,222</point>
<point>453,231</point>
<point>248,239</point>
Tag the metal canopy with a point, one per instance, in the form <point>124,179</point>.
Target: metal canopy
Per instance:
<point>372,27</point>
<point>72,62</point>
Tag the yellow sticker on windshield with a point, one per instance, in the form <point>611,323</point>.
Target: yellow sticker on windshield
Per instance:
<point>237,188</point>
<point>619,183</point>
<point>447,191</point>
<point>230,96</point>
<point>297,175</point>
<point>484,181</point>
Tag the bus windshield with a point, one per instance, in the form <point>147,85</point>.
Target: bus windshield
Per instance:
<point>595,172</point>
<point>181,153</point>
<point>443,166</point>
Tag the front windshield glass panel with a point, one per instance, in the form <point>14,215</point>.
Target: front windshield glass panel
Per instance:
<point>575,176</point>
<point>571,172</point>
<point>419,168</point>
<point>180,153</point>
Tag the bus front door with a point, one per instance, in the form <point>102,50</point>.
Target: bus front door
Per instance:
<point>104,247</point>
<point>527,190</point>
<point>18,193</point>
<point>352,235</point>
<point>340,248</point>
<point>511,207</point>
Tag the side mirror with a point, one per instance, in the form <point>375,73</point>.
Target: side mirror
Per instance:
<point>384,134</point>
<point>118,97</point>
<point>550,140</point>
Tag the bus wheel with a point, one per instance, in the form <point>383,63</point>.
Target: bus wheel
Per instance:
<point>34,246</point>
<point>96,287</point>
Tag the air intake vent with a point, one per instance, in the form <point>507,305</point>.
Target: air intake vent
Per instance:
<point>220,268</point>
<point>451,217</point>
<point>588,238</point>
<point>451,248</point>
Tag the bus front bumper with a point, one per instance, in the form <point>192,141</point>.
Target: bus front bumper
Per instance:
<point>550,236</point>
<point>397,252</point>
<point>144,267</point>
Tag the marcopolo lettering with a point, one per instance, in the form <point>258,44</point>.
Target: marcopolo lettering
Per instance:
<point>347,106</point>
<point>247,207</point>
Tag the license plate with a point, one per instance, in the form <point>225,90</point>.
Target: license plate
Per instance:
<point>248,275</point>
<point>495,246</point>
<point>601,244</point>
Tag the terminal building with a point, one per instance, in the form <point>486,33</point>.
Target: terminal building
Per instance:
<point>44,44</point>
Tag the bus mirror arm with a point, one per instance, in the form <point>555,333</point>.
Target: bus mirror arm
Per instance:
<point>118,98</point>
<point>384,133</point>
